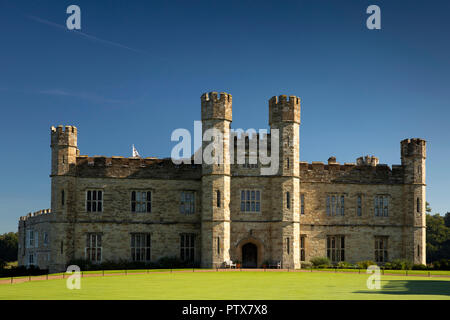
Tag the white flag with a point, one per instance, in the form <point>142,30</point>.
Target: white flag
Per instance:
<point>135,152</point>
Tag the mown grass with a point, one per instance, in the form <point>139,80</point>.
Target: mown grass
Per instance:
<point>233,285</point>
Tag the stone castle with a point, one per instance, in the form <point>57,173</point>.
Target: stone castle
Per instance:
<point>142,209</point>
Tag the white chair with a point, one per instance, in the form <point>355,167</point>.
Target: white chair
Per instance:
<point>279,265</point>
<point>230,264</point>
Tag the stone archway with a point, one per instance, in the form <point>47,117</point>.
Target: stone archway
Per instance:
<point>254,249</point>
<point>249,255</point>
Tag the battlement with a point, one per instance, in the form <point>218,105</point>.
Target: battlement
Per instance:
<point>36,214</point>
<point>217,106</point>
<point>282,108</point>
<point>134,167</point>
<point>64,135</point>
<point>350,173</point>
<point>415,147</point>
<point>367,161</point>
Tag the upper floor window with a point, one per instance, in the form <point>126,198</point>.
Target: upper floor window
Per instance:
<point>187,247</point>
<point>381,206</point>
<point>302,204</point>
<point>94,200</point>
<point>45,238</point>
<point>187,205</point>
<point>288,200</point>
<point>336,248</point>
<point>140,246</point>
<point>250,201</point>
<point>218,198</point>
<point>63,198</point>
<point>31,237</point>
<point>381,249</point>
<point>141,201</point>
<point>359,205</point>
<point>418,204</point>
<point>335,205</point>
<point>93,250</point>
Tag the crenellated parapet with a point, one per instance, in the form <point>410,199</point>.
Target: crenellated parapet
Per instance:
<point>217,106</point>
<point>415,148</point>
<point>284,109</point>
<point>367,161</point>
<point>334,172</point>
<point>139,168</point>
<point>39,213</point>
<point>64,136</point>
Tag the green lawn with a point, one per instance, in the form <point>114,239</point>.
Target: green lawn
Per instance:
<point>233,285</point>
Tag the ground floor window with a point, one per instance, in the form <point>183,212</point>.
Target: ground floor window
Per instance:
<point>31,259</point>
<point>187,247</point>
<point>302,248</point>
<point>140,246</point>
<point>336,248</point>
<point>381,249</point>
<point>94,247</point>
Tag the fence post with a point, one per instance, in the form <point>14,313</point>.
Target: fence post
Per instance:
<point>311,268</point>
<point>82,274</point>
<point>359,270</point>
<point>29,277</point>
<point>63,275</point>
<point>126,272</point>
<point>429,275</point>
<point>103,272</point>
<point>406,272</point>
<point>47,276</point>
<point>12,280</point>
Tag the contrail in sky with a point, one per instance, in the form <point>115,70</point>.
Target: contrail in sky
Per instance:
<point>82,34</point>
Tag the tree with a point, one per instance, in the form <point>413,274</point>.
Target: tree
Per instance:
<point>427,207</point>
<point>447,219</point>
<point>438,238</point>
<point>8,246</point>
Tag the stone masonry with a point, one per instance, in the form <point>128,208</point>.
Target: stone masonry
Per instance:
<point>305,210</point>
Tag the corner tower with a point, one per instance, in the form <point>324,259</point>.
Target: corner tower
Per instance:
<point>64,149</point>
<point>413,155</point>
<point>284,116</point>
<point>216,121</point>
<point>64,157</point>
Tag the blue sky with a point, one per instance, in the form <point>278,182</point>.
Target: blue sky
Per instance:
<point>138,69</point>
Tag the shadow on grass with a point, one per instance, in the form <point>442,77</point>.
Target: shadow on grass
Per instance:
<point>412,287</point>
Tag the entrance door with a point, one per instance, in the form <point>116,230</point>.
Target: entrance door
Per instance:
<point>249,255</point>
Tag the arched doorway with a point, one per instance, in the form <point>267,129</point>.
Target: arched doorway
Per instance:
<point>249,255</point>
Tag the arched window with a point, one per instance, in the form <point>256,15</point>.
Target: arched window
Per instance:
<point>63,200</point>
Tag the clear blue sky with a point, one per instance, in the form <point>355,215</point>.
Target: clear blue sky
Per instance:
<point>138,70</point>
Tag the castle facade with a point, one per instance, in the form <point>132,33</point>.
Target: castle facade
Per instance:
<point>142,209</point>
